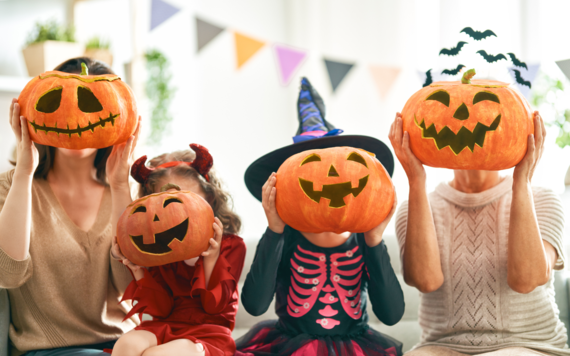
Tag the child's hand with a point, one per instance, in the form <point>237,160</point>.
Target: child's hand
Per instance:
<point>268,193</point>
<point>211,255</point>
<point>118,164</point>
<point>374,236</point>
<point>27,153</point>
<point>118,255</point>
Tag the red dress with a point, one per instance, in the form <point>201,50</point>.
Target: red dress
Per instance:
<point>182,306</point>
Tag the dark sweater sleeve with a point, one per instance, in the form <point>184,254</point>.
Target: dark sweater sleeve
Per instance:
<point>384,289</point>
<point>259,286</point>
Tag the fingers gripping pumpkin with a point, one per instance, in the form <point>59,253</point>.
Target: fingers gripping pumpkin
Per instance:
<point>335,189</point>
<point>78,111</point>
<point>478,124</point>
<point>165,227</point>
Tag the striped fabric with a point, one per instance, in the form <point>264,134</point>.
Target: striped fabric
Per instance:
<point>475,311</point>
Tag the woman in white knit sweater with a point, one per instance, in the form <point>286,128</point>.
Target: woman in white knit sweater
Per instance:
<point>481,249</point>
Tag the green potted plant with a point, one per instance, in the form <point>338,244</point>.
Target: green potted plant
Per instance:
<point>49,44</point>
<point>98,48</point>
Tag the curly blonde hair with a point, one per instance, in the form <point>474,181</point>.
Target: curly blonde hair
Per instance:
<point>220,200</point>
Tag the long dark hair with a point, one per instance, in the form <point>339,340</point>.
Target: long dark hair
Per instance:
<point>47,153</point>
<point>220,200</point>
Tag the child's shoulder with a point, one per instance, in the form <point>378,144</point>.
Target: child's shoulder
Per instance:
<point>234,240</point>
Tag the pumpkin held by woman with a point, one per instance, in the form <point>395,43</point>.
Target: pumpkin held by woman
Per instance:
<point>471,124</point>
<point>335,189</point>
<point>165,227</point>
<point>78,111</point>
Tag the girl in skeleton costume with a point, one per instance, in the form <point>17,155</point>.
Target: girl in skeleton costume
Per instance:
<point>320,281</point>
<point>193,302</point>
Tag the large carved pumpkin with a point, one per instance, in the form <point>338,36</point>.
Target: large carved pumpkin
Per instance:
<point>165,227</point>
<point>78,110</point>
<point>481,125</point>
<point>335,189</point>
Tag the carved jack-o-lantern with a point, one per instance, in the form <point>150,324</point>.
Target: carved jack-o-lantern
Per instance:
<point>335,189</point>
<point>482,124</point>
<point>165,227</point>
<point>78,110</point>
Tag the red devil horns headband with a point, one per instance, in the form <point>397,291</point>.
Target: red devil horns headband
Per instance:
<point>202,164</point>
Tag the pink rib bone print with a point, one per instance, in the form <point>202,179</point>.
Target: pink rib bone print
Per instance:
<point>297,306</point>
<point>350,297</point>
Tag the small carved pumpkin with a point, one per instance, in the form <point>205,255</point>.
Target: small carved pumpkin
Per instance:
<point>78,111</point>
<point>165,227</point>
<point>480,124</point>
<point>335,189</point>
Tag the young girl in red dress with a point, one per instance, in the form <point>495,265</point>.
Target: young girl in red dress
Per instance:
<point>193,302</point>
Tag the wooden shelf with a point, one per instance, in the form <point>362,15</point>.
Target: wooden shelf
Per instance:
<point>9,84</point>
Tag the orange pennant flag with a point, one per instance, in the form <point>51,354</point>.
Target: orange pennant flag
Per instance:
<point>384,77</point>
<point>246,47</point>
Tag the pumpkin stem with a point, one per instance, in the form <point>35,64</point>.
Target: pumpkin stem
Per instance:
<point>167,186</point>
<point>84,69</point>
<point>467,76</point>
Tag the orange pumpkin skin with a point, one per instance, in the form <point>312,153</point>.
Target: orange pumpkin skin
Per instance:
<point>184,226</point>
<point>70,127</point>
<point>502,148</point>
<point>360,213</point>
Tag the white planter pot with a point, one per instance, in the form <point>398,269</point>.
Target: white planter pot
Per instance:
<point>45,56</point>
<point>103,55</point>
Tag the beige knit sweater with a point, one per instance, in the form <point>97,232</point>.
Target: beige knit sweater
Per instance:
<point>67,291</point>
<point>475,310</point>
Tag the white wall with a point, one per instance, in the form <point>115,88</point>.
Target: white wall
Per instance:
<point>240,115</point>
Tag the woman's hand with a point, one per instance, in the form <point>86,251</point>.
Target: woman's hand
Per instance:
<point>268,193</point>
<point>28,158</point>
<point>535,147</point>
<point>118,164</point>
<point>213,252</point>
<point>374,236</point>
<point>118,255</point>
<point>401,144</point>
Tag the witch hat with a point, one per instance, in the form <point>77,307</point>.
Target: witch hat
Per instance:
<point>314,132</point>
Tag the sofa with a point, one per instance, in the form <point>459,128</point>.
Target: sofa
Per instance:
<point>407,330</point>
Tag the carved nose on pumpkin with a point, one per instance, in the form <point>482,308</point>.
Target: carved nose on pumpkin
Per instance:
<point>156,218</point>
<point>461,113</point>
<point>333,172</point>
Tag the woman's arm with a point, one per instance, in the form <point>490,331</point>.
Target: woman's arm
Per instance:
<point>530,259</point>
<point>259,287</point>
<point>16,213</point>
<point>421,261</point>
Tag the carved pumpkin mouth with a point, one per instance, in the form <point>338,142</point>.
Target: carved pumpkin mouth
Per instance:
<point>464,138</point>
<point>162,240</point>
<point>334,192</point>
<point>77,130</point>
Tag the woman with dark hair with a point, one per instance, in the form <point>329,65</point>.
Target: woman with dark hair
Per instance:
<point>55,208</point>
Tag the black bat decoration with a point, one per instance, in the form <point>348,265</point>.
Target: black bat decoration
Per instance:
<point>478,35</point>
<point>429,79</point>
<point>453,71</point>
<point>490,58</point>
<point>516,61</point>
<point>520,79</point>
<point>454,50</point>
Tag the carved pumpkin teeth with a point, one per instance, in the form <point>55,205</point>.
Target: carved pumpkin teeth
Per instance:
<point>333,192</point>
<point>78,130</point>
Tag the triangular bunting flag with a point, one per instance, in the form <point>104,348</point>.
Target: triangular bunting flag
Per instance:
<point>206,32</point>
<point>337,71</point>
<point>384,77</point>
<point>246,47</point>
<point>288,59</point>
<point>564,67</point>
<point>526,75</point>
<point>160,11</point>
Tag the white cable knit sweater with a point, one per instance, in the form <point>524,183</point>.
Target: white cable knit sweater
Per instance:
<point>475,310</point>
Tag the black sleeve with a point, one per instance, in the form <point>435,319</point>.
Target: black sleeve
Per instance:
<point>259,286</point>
<point>384,289</point>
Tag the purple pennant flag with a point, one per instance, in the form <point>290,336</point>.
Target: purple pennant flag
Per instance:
<point>161,11</point>
<point>289,59</point>
<point>527,75</point>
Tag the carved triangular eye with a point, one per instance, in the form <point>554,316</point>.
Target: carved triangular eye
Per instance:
<point>49,102</point>
<point>87,101</point>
